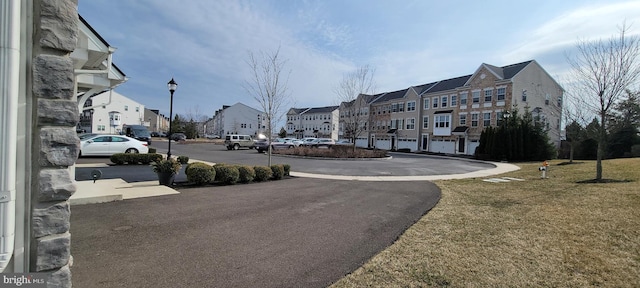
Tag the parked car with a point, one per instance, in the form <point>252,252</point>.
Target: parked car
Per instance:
<point>296,142</point>
<point>344,142</point>
<point>321,143</point>
<point>107,145</point>
<point>138,132</point>
<point>178,136</point>
<point>236,142</point>
<point>261,145</point>
<point>211,136</point>
<point>283,143</point>
<point>307,140</point>
<point>86,135</point>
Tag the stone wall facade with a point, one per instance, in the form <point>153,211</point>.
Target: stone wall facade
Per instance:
<point>55,141</point>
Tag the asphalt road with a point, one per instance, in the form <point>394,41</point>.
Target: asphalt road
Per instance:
<point>290,233</point>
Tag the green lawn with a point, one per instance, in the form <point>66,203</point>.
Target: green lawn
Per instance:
<point>539,232</point>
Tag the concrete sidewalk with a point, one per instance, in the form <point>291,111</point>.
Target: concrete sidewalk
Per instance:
<point>107,190</point>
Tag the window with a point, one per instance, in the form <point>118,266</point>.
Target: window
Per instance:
<point>487,95</point>
<point>463,99</point>
<point>411,123</point>
<point>486,119</point>
<point>524,95</point>
<point>435,102</point>
<point>501,93</point>
<point>475,97</point>
<point>474,119</point>
<point>137,109</point>
<point>411,106</point>
<point>442,121</point>
<point>393,124</point>
<point>454,100</point>
<point>499,118</point>
<point>101,127</point>
<point>401,107</point>
<point>126,108</point>
<point>425,122</point>
<point>426,103</point>
<point>394,107</point>
<point>546,99</point>
<point>463,119</point>
<point>559,101</point>
<point>445,99</point>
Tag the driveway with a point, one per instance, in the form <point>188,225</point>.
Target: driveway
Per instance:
<point>295,232</point>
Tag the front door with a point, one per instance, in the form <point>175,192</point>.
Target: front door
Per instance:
<point>461,145</point>
<point>425,142</point>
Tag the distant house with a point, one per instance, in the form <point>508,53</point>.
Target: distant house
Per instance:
<point>111,110</point>
<point>319,122</point>
<point>157,122</point>
<point>236,119</point>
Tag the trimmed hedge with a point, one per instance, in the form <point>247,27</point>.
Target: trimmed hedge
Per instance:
<point>287,169</point>
<point>227,174</point>
<point>183,159</point>
<point>247,174</point>
<point>263,173</point>
<point>278,171</point>
<point>200,173</point>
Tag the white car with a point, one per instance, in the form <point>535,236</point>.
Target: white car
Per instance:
<point>107,145</point>
<point>296,142</point>
<point>307,140</point>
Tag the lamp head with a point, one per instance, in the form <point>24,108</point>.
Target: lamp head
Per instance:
<point>172,85</point>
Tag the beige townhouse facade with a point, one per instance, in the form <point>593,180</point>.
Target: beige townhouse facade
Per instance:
<point>445,116</point>
<point>448,116</point>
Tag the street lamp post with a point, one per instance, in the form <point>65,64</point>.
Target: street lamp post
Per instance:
<point>172,88</point>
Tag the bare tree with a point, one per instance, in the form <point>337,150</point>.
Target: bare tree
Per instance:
<point>352,92</point>
<point>605,69</point>
<point>194,114</point>
<point>576,115</point>
<point>269,88</point>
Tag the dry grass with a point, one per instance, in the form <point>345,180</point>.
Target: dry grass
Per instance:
<point>538,232</point>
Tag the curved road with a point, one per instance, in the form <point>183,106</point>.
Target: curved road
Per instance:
<point>401,164</point>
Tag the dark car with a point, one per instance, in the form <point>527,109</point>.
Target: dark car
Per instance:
<point>261,145</point>
<point>178,137</point>
<point>138,132</point>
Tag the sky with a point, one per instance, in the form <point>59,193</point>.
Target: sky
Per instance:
<point>205,45</point>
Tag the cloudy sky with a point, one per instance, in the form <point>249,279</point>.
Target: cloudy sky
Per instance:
<point>205,44</point>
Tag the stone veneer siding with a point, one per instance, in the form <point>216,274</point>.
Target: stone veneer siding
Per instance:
<point>56,144</point>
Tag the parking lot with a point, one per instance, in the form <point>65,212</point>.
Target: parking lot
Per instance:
<point>400,164</point>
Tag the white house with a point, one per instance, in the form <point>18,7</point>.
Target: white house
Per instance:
<point>111,110</point>
<point>321,122</point>
<point>236,119</point>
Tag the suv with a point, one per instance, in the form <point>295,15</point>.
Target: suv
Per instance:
<point>236,141</point>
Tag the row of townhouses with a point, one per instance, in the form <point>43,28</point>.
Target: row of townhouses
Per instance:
<point>445,116</point>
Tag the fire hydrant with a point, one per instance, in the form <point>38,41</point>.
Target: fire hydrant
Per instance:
<point>544,168</point>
